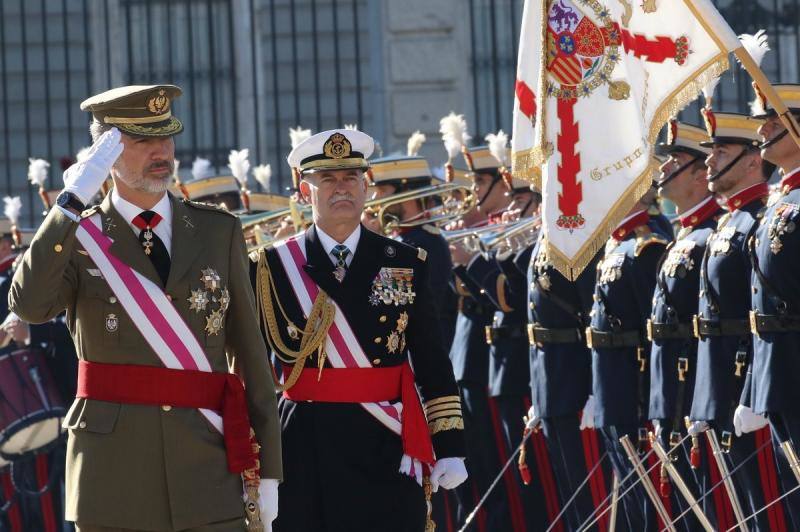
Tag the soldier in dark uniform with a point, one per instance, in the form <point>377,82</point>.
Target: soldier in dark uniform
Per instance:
<point>775,317</point>
<point>561,386</point>
<point>393,175</point>
<point>620,380</point>
<point>673,357</point>
<point>469,351</point>
<point>501,275</point>
<point>736,173</point>
<point>348,311</point>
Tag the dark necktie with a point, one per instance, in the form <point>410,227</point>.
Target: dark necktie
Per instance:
<point>153,246</point>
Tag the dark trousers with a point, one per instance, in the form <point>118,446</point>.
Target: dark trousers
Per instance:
<point>787,428</point>
<point>751,460</point>
<point>635,510</point>
<point>482,463</point>
<point>573,454</point>
<point>697,480</point>
<point>527,504</point>
<point>341,473</point>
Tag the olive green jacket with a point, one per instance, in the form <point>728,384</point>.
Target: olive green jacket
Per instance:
<point>150,467</point>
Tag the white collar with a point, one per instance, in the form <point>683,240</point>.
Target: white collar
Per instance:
<point>793,172</point>
<point>637,213</point>
<point>328,242</point>
<point>129,211</point>
<point>697,207</point>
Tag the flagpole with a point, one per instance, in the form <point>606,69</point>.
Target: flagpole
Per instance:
<point>715,24</point>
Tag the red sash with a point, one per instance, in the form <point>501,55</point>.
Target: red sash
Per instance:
<point>150,385</point>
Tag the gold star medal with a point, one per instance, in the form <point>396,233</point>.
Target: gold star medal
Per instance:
<point>214,322</point>
<point>402,322</point>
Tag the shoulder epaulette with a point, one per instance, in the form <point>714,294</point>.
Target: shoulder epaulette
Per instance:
<point>422,254</point>
<point>207,207</point>
<point>432,229</point>
<point>89,211</point>
<point>646,240</point>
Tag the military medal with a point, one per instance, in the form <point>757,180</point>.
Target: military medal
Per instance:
<point>393,286</point>
<point>148,240</point>
<point>112,323</point>
<point>721,241</point>
<point>393,342</point>
<point>224,300</point>
<point>781,225</point>
<point>210,278</point>
<point>214,322</point>
<point>611,268</point>
<point>679,261</point>
<point>338,273</point>
<point>198,300</point>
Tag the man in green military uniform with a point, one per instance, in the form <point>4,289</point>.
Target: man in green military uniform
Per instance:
<point>158,322</point>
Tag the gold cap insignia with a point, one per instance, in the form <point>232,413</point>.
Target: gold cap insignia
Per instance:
<point>337,147</point>
<point>158,103</point>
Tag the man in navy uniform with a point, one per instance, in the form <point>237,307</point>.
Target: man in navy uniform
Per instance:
<point>561,385</point>
<point>348,311</point>
<point>775,317</point>
<point>501,276</point>
<point>737,173</point>
<point>674,347</point>
<point>626,278</point>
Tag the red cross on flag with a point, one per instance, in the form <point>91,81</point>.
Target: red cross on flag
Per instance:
<point>612,73</point>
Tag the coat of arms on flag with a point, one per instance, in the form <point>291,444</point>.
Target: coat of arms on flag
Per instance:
<point>596,81</point>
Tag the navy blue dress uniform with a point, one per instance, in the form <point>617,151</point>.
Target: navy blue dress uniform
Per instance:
<point>342,462</point>
<point>724,351</point>
<point>503,280</point>
<point>402,174</point>
<point>620,375</point>
<point>775,315</point>
<point>561,380</point>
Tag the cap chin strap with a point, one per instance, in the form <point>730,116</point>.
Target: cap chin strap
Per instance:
<point>730,165</point>
<point>494,182</point>
<point>677,172</point>
<point>775,140</point>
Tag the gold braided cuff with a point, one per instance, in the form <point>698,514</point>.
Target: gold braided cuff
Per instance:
<point>446,423</point>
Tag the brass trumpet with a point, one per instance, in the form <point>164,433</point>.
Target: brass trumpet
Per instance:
<point>472,237</point>
<point>451,207</point>
<point>259,229</point>
<point>513,237</point>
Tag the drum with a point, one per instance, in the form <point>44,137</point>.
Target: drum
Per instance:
<point>30,406</point>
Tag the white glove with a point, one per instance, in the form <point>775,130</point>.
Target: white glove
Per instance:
<point>411,467</point>
<point>85,177</point>
<point>267,501</point>
<point>745,420</point>
<point>657,428</point>
<point>533,419</point>
<point>448,473</point>
<point>696,428</point>
<point>587,419</point>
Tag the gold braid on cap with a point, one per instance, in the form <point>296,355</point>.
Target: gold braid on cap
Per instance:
<point>313,336</point>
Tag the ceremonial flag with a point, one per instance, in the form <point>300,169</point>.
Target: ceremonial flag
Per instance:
<point>612,73</point>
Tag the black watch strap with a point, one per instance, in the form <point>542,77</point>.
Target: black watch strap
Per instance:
<point>68,199</point>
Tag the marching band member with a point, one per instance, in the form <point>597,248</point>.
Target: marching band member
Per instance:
<point>158,301</point>
<point>673,360</point>
<point>349,312</point>
<point>775,317</point>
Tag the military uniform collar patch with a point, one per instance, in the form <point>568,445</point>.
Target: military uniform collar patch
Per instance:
<point>748,195</point>
<point>629,224</point>
<point>700,213</point>
<point>790,181</point>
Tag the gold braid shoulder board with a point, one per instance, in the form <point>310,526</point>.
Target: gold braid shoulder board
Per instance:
<point>313,335</point>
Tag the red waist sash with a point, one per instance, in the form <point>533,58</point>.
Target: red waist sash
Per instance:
<point>371,385</point>
<point>150,385</point>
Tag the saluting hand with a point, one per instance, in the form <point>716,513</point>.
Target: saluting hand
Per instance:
<point>85,177</point>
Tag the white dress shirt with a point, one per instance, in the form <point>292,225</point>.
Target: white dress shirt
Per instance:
<point>163,208</point>
<point>328,244</point>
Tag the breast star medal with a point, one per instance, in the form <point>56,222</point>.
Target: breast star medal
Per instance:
<point>214,322</point>
<point>198,301</point>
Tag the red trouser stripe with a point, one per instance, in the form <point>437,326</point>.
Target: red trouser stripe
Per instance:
<point>545,469</point>
<point>722,504</point>
<point>599,477</point>
<point>769,480</point>
<point>14,517</point>
<point>46,499</point>
<point>512,489</point>
<point>448,516</point>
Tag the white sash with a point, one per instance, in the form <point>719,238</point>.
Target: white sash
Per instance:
<point>148,307</point>
<point>341,345</point>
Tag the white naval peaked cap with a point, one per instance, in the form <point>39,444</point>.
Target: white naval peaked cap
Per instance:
<point>335,149</point>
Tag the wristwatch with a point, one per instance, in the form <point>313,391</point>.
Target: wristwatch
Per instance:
<point>70,200</point>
